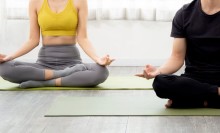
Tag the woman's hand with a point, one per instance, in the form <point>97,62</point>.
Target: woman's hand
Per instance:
<point>149,72</point>
<point>4,58</point>
<point>105,61</point>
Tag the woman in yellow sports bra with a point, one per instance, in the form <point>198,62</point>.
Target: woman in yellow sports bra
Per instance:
<point>62,24</point>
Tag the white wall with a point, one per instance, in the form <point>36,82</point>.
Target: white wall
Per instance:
<point>132,43</point>
<point>135,33</point>
<point>2,20</point>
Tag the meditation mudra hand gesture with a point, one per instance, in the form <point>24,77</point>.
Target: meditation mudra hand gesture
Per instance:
<point>63,26</point>
<point>149,72</point>
<point>4,58</point>
<point>105,61</point>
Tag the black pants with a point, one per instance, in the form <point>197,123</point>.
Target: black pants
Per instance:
<point>187,92</point>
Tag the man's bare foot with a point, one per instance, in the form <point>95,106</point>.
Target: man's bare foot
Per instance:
<point>169,103</point>
<point>205,104</point>
<point>219,91</point>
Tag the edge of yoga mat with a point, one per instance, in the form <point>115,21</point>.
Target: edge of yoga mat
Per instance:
<point>120,106</point>
<point>112,83</point>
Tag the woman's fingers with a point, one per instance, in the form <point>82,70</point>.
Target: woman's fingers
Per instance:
<point>110,61</point>
<point>2,56</point>
<point>104,61</point>
<point>107,60</point>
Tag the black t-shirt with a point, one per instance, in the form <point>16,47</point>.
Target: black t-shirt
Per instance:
<point>202,33</point>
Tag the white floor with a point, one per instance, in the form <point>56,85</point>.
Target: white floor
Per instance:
<point>23,112</point>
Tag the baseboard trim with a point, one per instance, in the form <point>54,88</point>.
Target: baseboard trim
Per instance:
<point>119,62</point>
<point>134,62</point>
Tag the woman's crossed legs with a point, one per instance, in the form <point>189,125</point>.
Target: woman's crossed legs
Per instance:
<point>35,75</point>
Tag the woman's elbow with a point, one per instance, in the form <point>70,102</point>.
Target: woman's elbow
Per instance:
<point>34,41</point>
<point>81,39</point>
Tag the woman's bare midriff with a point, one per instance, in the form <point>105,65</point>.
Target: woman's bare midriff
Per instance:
<point>58,40</point>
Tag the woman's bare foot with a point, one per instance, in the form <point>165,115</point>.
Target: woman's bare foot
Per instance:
<point>169,103</point>
<point>58,82</point>
<point>48,74</point>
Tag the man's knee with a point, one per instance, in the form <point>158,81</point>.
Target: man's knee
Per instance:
<point>160,85</point>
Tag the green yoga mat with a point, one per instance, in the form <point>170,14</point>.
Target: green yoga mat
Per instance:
<point>120,106</point>
<point>112,83</point>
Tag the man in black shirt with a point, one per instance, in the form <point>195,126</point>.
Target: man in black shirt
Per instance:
<point>196,32</point>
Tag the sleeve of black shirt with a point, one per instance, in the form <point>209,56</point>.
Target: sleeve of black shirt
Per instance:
<point>177,25</point>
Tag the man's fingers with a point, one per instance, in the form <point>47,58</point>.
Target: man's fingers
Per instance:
<point>140,75</point>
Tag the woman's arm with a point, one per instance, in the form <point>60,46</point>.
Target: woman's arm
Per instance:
<point>82,37</point>
<point>173,64</point>
<point>34,35</point>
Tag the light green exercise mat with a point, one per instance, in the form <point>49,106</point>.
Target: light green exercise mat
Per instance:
<point>120,106</point>
<point>112,83</point>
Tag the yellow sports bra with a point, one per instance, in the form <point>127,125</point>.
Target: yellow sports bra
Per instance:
<point>58,24</point>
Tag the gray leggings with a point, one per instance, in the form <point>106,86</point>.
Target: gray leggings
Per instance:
<point>55,58</point>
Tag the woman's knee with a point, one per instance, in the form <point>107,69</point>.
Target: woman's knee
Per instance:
<point>101,73</point>
<point>5,69</point>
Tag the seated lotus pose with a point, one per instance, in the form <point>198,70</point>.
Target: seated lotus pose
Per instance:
<point>62,24</point>
<point>196,32</point>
